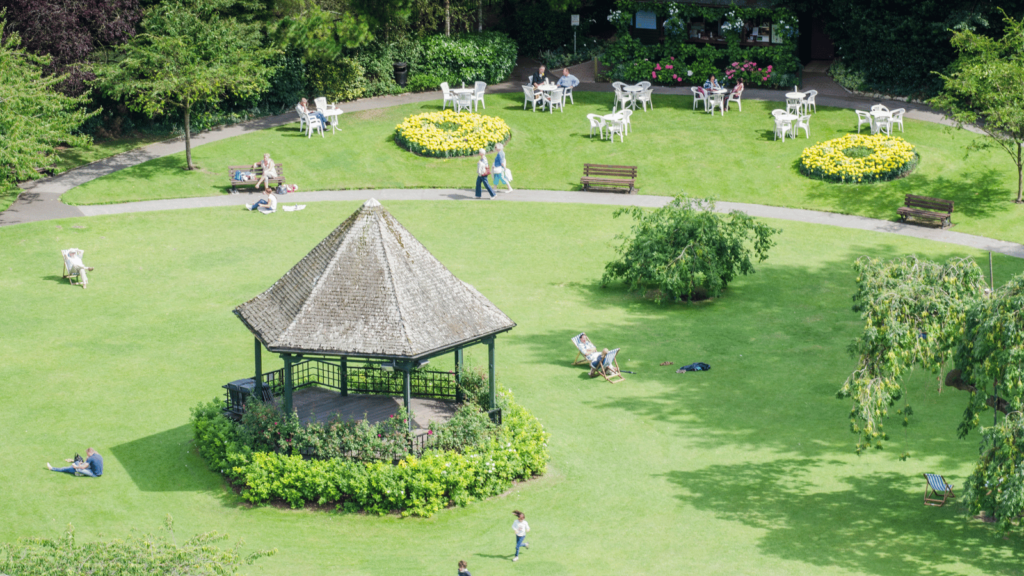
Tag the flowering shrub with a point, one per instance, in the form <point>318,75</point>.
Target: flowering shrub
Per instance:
<point>749,72</point>
<point>445,134</point>
<point>859,158</point>
<point>491,458</point>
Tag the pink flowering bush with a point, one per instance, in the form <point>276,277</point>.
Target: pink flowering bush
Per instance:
<point>750,73</point>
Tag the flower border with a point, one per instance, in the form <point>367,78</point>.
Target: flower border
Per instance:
<point>421,135</point>
<point>893,158</point>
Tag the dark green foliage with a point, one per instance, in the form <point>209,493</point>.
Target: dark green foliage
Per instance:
<point>215,435</point>
<point>423,83</point>
<point>288,84</point>
<point>997,484</point>
<point>152,555</point>
<point>475,388</point>
<point>536,27</point>
<point>687,251</point>
<point>339,79</point>
<point>468,427</point>
<point>561,57</point>
<point>489,56</point>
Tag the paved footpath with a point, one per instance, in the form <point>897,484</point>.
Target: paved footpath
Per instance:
<point>40,199</point>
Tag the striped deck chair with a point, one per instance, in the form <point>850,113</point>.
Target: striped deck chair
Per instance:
<point>586,349</point>
<point>938,490</point>
<point>610,368</point>
<point>74,268</point>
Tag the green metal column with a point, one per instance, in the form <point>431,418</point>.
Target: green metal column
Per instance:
<point>458,375</point>
<point>407,376</point>
<point>259,369</point>
<point>287,383</point>
<point>490,372</point>
<point>344,376</point>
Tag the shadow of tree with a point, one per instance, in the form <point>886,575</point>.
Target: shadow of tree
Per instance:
<point>874,524</point>
<point>167,462</point>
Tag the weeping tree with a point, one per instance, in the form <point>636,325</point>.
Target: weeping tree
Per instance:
<point>188,53</point>
<point>996,486</point>
<point>913,312</point>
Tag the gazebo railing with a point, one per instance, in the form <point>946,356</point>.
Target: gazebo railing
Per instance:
<point>364,380</point>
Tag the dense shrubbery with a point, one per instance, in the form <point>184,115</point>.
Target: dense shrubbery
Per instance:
<point>153,555</point>
<point>685,250</point>
<point>422,83</point>
<point>469,459</point>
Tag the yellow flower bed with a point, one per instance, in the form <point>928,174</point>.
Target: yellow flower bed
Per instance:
<point>445,134</point>
<point>859,158</point>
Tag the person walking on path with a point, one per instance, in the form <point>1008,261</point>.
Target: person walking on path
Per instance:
<point>463,568</point>
<point>520,527</point>
<point>500,167</point>
<point>483,169</point>
<point>92,466</point>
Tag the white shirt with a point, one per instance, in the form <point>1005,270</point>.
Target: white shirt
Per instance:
<point>520,527</point>
<point>271,202</point>
<point>481,166</point>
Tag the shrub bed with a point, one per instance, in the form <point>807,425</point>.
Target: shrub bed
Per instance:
<point>445,134</point>
<point>479,460</point>
<point>857,158</point>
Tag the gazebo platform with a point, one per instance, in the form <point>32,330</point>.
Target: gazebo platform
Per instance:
<point>321,404</point>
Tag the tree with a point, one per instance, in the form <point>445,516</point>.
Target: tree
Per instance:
<point>686,250</point>
<point>35,117</point>
<point>137,554</point>
<point>85,26</point>
<point>913,312</point>
<point>997,484</point>
<point>188,54</point>
<point>983,89</point>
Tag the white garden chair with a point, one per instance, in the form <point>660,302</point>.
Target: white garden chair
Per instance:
<point>596,121</point>
<point>622,98</point>
<point>778,112</point>
<point>555,98</point>
<point>616,126</point>
<point>322,105</point>
<point>810,102</point>
<point>530,96</point>
<point>464,101</point>
<point>699,95</point>
<point>478,94</point>
<point>783,126</point>
<point>879,108</point>
<point>302,117</point>
<point>897,117</point>
<point>313,123</point>
<point>802,122</point>
<point>644,97</point>
<point>627,122</point>
<point>567,95</point>
<point>644,84</point>
<point>74,267</point>
<point>447,93</point>
<point>883,124</point>
<point>716,101</point>
<point>864,118</point>
<point>794,106</point>
<point>734,96</point>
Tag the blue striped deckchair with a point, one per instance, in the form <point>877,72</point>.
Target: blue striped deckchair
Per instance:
<point>610,368</point>
<point>938,490</point>
<point>587,350</point>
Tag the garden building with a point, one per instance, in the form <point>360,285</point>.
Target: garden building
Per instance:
<point>356,322</point>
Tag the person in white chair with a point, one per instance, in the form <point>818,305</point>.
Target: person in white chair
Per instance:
<point>303,107</point>
<point>567,80</point>
<point>77,268</point>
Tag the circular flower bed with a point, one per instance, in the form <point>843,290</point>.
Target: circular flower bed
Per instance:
<point>445,134</point>
<point>859,158</point>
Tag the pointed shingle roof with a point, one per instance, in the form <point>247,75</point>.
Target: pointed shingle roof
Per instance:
<point>370,289</point>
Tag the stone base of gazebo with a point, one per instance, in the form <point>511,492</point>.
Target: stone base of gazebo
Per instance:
<point>315,404</point>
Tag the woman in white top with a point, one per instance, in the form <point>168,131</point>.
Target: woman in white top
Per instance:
<point>269,171</point>
<point>500,167</point>
<point>268,200</point>
<point>483,169</point>
<point>520,527</point>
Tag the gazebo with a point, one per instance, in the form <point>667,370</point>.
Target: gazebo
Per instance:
<point>367,305</point>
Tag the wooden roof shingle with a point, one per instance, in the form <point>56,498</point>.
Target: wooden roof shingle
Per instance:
<point>370,289</point>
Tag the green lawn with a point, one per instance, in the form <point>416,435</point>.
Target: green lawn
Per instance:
<point>676,148</point>
<point>746,469</point>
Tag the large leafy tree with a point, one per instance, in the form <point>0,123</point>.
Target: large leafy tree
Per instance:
<point>188,54</point>
<point>997,484</point>
<point>983,89</point>
<point>686,250</point>
<point>35,117</point>
<point>72,31</point>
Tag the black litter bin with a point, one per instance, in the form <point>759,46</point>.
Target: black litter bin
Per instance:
<point>401,73</point>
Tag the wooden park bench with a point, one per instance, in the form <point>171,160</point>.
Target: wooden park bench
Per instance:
<point>927,208</point>
<point>603,178</point>
<point>258,171</point>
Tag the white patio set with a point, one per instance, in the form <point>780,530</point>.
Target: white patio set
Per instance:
<point>547,95</point>
<point>632,96</point>
<point>797,115</point>
<point>627,99</point>
<point>716,99</point>
<point>309,121</point>
<point>464,99</point>
<point>881,119</point>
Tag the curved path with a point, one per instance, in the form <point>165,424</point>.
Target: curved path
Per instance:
<point>40,199</point>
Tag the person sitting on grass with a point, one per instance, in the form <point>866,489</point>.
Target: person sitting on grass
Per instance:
<point>463,568</point>
<point>269,171</point>
<point>268,200</point>
<point>92,466</point>
<point>595,364</point>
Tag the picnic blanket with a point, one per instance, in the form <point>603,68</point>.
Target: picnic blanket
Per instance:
<point>695,367</point>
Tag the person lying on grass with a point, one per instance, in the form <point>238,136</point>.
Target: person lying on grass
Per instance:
<point>92,466</point>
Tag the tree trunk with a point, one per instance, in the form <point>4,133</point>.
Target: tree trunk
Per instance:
<point>953,380</point>
<point>1020,183</point>
<point>479,15</point>
<point>188,137</point>
<point>447,17</point>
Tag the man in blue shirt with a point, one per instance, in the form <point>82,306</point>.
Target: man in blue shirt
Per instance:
<point>568,80</point>
<point>92,466</point>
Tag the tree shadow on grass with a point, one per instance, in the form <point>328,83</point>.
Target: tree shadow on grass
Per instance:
<point>166,462</point>
<point>875,524</point>
<point>976,195</point>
